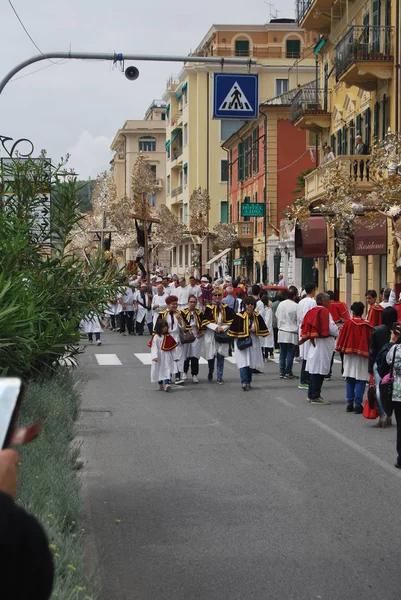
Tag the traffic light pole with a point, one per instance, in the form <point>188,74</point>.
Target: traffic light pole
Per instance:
<point>120,57</point>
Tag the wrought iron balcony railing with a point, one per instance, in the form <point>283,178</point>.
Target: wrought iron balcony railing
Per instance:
<point>176,153</point>
<point>365,43</point>
<point>176,191</point>
<point>309,100</point>
<point>302,8</point>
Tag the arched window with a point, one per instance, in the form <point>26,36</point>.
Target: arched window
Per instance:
<point>147,144</point>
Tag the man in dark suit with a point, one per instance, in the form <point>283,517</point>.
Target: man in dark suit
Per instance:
<point>361,148</point>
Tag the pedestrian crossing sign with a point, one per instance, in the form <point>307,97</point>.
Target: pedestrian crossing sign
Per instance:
<point>235,96</point>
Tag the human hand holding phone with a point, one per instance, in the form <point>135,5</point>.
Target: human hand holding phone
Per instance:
<point>12,392</point>
<point>8,471</point>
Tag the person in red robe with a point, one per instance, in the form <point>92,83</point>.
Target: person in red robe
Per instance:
<point>338,310</point>
<point>353,344</point>
<point>374,316</point>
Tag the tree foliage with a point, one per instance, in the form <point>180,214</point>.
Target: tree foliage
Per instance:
<point>45,290</point>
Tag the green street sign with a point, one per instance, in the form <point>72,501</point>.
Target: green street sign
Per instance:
<point>252,209</point>
<point>237,262</point>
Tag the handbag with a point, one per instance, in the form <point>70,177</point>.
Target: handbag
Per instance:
<point>186,337</point>
<point>222,337</point>
<point>244,343</point>
<point>386,389</point>
<point>370,413</point>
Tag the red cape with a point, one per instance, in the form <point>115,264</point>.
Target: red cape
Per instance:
<point>354,337</point>
<point>168,342</point>
<point>374,316</point>
<point>315,324</point>
<point>339,311</point>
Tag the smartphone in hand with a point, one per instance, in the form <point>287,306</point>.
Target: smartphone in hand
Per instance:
<point>12,391</point>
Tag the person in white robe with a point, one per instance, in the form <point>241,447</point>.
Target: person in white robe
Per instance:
<point>248,326</point>
<point>91,325</point>
<point>191,353</point>
<point>165,355</point>
<point>304,306</point>
<point>159,303</point>
<point>216,318</point>
<point>143,307</point>
<point>267,342</point>
<point>320,354</point>
<point>175,325</point>
<point>182,292</point>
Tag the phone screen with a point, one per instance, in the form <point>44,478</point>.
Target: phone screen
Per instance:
<point>10,388</point>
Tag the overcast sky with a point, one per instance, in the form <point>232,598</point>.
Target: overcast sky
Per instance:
<point>78,106</point>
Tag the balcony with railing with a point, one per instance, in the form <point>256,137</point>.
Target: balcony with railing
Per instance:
<point>176,191</point>
<point>365,55</point>
<point>176,119</point>
<point>356,166</point>
<point>309,109</point>
<point>244,231</point>
<point>314,14</point>
<point>159,184</point>
<point>273,52</point>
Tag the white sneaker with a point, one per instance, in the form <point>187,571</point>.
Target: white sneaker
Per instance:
<point>179,381</point>
<point>184,376</point>
<point>195,379</point>
<point>99,343</point>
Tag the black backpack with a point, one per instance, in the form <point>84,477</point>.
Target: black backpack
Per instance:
<point>381,360</point>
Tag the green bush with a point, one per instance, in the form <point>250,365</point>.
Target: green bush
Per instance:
<point>49,486</point>
<point>45,290</point>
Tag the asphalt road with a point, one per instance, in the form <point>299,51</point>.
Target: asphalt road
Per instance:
<point>213,493</point>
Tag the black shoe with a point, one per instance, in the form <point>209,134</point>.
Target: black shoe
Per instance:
<point>397,465</point>
<point>358,410</point>
<point>291,376</point>
<point>282,375</point>
<point>256,372</point>
<point>350,408</point>
<point>140,333</point>
<point>210,376</point>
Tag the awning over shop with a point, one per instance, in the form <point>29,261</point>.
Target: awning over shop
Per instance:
<point>168,144</point>
<point>371,238</point>
<point>217,257</point>
<point>311,241</point>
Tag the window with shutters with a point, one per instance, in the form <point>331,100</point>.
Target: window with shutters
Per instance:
<point>241,48</point>
<point>339,143</point>
<point>231,167</point>
<point>247,200</point>
<point>224,211</point>
<point>240,161</point>
<point>255,139</point>
<point>147,144</point>
<point>293,48</point>
<point>367,118</point>
<point>333,143</point>
<point>223,171</point>
<point>376,119</point>
<point>344,134</point>
<point>384,117</point>
<point>352,137</point>
<point>358,125</point>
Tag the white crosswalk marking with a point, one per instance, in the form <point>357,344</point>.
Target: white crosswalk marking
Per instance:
<point>108,360</point>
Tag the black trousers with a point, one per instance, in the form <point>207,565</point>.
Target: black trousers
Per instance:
<point>127,318</point>
<point>304,373</point>
<point>194,365</point>
<point>397,412</point>
<point>140,326</point>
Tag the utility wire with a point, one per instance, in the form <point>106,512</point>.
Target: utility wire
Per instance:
<point>28,34</point>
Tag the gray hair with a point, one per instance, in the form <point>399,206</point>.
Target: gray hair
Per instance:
<point>322,297</point>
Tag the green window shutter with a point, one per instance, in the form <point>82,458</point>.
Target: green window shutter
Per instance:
<point>255,140</point>
<point>246,158</point>
<point>352,137</point>
<point>240,161</point>
<point>384,117</point>
<point>376,117</point>
<point>224,212</point>
<point>241,48</point>
<point>344,140</point>
<point>358,125</point>
<point>367,127</point>
<point>333,142</point>
<point>293,48</point>
<point>247,200</point>
<point>339,143</point>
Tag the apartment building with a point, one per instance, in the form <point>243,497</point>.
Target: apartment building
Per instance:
<point>147,136</point>
<point>266,157</point>
<point>194,154</point>
<point>357,93</point>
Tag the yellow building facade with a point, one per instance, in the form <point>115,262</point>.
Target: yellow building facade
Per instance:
<point>194,155</point>
<point>356,93</point>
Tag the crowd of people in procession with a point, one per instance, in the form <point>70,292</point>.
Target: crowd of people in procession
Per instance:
<point>233,318</point>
